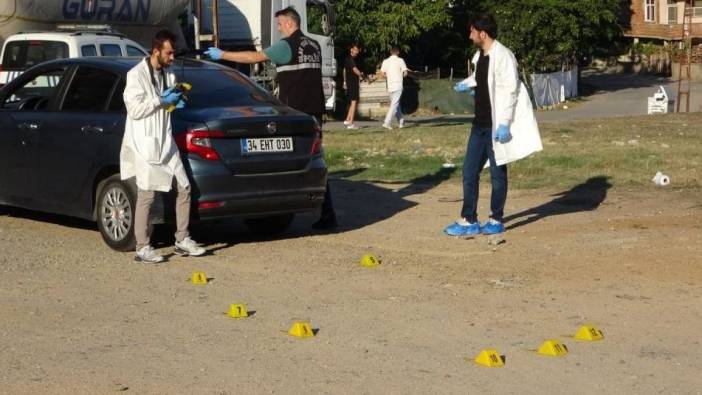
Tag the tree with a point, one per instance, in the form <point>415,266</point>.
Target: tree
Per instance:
<point>547,35</point>
<point>379,24</point>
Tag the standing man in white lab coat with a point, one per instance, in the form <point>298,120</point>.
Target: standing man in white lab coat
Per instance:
<point>394,70</point>
<point>504,128</point>
<point>149,152</point>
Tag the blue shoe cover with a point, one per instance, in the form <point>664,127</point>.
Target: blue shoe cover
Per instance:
<point>492,227</point>
<point>456,229</point>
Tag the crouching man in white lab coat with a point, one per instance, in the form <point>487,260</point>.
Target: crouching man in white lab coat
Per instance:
<point>504,128</point>
<point>149,152</point>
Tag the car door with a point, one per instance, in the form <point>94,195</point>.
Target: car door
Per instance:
<point>73,148</point>
<point>25,110</point>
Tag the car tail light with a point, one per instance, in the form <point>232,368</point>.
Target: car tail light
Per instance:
<point>199,142</point>
<point>317,142</point>
<point>206,205</point>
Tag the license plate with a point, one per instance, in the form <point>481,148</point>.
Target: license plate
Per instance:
<point>267,145</point>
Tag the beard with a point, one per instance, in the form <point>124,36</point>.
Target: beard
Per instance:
<point>163,61</point>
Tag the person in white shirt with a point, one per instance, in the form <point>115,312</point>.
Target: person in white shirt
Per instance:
<point>394,70</point>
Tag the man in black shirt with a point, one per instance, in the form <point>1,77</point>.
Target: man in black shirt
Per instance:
<point>352,76</point>
<point>483,31</point>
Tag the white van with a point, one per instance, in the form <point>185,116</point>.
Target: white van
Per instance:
<point>24,50</point>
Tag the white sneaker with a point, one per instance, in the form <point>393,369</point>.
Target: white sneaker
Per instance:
<point>351,126</point>
<point>388,127</point>
<point>148,255</point>
<point>188,247</point>
<point>347,123</point>
<point>402,123</point>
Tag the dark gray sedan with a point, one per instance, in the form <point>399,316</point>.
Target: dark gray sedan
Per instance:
<point>248,155</point>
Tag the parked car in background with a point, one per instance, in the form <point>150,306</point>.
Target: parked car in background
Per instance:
<point>248,155</point>
<point>24,50</point>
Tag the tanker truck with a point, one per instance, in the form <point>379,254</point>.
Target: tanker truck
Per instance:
<point>137,19</point>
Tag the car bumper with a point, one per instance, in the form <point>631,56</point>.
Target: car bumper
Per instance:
<point>217,194</point>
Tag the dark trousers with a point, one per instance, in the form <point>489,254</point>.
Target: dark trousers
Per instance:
<point>327,206</point>
<point>478,151</point>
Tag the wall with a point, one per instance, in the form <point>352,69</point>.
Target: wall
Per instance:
<point>659,28</point>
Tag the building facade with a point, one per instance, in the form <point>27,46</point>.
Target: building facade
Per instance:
<point>662,19</point>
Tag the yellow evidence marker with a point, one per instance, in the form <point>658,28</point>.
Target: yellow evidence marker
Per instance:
<point>199,278</point>
<point>553,348</point>
<point>238,311</point>
<point>589,333</point>
<point>301,329</point>
<point>490,358</point>
<point>369,261</point>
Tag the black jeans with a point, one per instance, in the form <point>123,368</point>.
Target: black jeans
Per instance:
<point>327,205</point>
<point>478,151</point>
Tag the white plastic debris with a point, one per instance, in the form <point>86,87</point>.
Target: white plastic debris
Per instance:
<point>661,179</point>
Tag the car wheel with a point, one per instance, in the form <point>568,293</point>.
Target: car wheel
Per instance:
<point>269,226</point>
<point>116,203</point>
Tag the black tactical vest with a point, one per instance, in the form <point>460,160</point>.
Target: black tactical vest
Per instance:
<point>300,80</point>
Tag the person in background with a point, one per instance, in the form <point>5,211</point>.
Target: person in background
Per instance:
<point>352,77</point>
<point>394,70</point>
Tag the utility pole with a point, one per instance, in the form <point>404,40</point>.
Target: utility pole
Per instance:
<point>685,60</point>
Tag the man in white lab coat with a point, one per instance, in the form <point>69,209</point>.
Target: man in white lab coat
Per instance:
<point>149,152</point>
<point>394,70</point>
<point>504,128</point>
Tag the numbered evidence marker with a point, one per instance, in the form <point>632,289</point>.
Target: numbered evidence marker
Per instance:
<point>369,261</point>
<point>589,333</point>
<point>301,329</point>
<point>199,278</point>
<point>238,311</point>
<point>490,358</point>
<point>553,348</point>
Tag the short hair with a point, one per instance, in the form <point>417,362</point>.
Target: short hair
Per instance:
<point>395,50</point>
<point>161,37</point>
<point>484,23</point>
<point>355,45</point>
<point>290,13</point>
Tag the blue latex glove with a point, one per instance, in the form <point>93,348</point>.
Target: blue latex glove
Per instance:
<point>170,96</point>
<point>502,134</point>
<point>168,91</point>
<point>180,105</point>
<point>461,87</point>
<point>214,53</point>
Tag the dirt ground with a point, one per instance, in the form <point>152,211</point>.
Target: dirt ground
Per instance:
<point>80,318</point>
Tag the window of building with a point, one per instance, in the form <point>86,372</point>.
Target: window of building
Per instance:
<point>650,10</point>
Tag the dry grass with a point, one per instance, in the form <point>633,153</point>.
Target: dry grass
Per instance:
<point>627,150</point>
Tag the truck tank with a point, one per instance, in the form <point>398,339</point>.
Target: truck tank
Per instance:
<point>137,19</point>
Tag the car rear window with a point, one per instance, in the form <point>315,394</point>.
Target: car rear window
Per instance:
<point>21,55</point>
<point>88,50</point>
<point>134,51</point>
<point>110,50</point>
<point>223,88</point>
